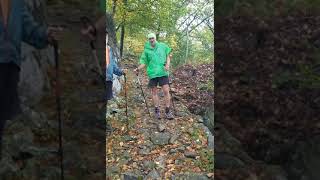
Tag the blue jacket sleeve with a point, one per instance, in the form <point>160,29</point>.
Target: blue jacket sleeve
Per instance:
<point>116,70</point>
<point>32,32</point>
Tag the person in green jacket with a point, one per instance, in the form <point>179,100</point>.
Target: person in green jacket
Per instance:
<point>156,58</point>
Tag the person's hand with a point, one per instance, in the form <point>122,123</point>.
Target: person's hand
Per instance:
<point>125,71</point>
<point>88,32</point>
<point>136,70</point>
<point>167,67</point>
<point>54,34</point>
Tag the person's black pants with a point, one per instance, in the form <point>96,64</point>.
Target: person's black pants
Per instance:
<point>9,100</point>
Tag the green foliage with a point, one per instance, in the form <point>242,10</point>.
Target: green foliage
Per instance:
<point>208,86</point>
<point>200,49</point>
<point>195,134</point>
<point>163,17</point>
<point>206,160</point>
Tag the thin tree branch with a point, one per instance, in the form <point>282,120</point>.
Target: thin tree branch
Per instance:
<point>203,20</point>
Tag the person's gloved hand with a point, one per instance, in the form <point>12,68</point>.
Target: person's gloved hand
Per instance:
<point>167,67</point>
<point>89,32</point>
<point>125,71</point>
<point>54,34</point>
<point>136,70</point>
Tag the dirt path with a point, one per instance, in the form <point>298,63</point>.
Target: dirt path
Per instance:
<point>155,149</point>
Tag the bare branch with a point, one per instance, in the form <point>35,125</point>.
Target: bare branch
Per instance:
<point>202,21</point>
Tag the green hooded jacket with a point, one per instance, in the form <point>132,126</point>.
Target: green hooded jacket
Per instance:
<point>155,59</point>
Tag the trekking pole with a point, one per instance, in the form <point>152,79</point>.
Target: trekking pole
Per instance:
<point>174,109</point>
<point>143,95</point>
<point>125,93</point>
<point>56,55</point>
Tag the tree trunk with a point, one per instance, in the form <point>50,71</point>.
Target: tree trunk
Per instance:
<point>112,35</point>
<point>114,7</point>
<point>122,39</point>
<point>123,29</point>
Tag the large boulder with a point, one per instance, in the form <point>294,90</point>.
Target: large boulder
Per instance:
<point>33,75</point>
<point>209,118</point>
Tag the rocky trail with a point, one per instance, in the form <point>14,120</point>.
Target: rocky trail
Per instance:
<point>155,149</point>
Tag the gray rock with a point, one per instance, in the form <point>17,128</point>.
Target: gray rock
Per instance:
<point>190,154</point>
<point>129,138</point>
<point>148,164</point>
<point>160,161</point>
<point>181,113</point>
<point>205,129</point>
<point>38,120</point>
<point>31,78</point>
<point>173,138</point>
<point>190,177</point>
<point>148,143</point>
<point>144,151</point>
<point>123,161</point>
<point>210,142</point>
<point>199,119</point>
<point>131,176</point>
<point>153,175</point>
<point>112,170</point>
<point>209,118</point>
<point>160,138</point>
<point>177,162</point>
<point>181,149</point>
<point>190,130</point>
<point>161,127</point>
<point>225,161</point>
<point>172,151</point>
<point>126,155</point>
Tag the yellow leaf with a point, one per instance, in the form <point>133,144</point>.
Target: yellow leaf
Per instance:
<point>169,161</point>
<point>121,143</point>
<point>210,174</point>
<point>109,151</point>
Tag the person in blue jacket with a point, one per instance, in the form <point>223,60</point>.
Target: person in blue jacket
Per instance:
<point>111,65</point>
<point>111,68</point>
<point>16,25</point>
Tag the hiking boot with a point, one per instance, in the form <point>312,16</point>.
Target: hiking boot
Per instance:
<point>157,113</point>
<point>169,114</point>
